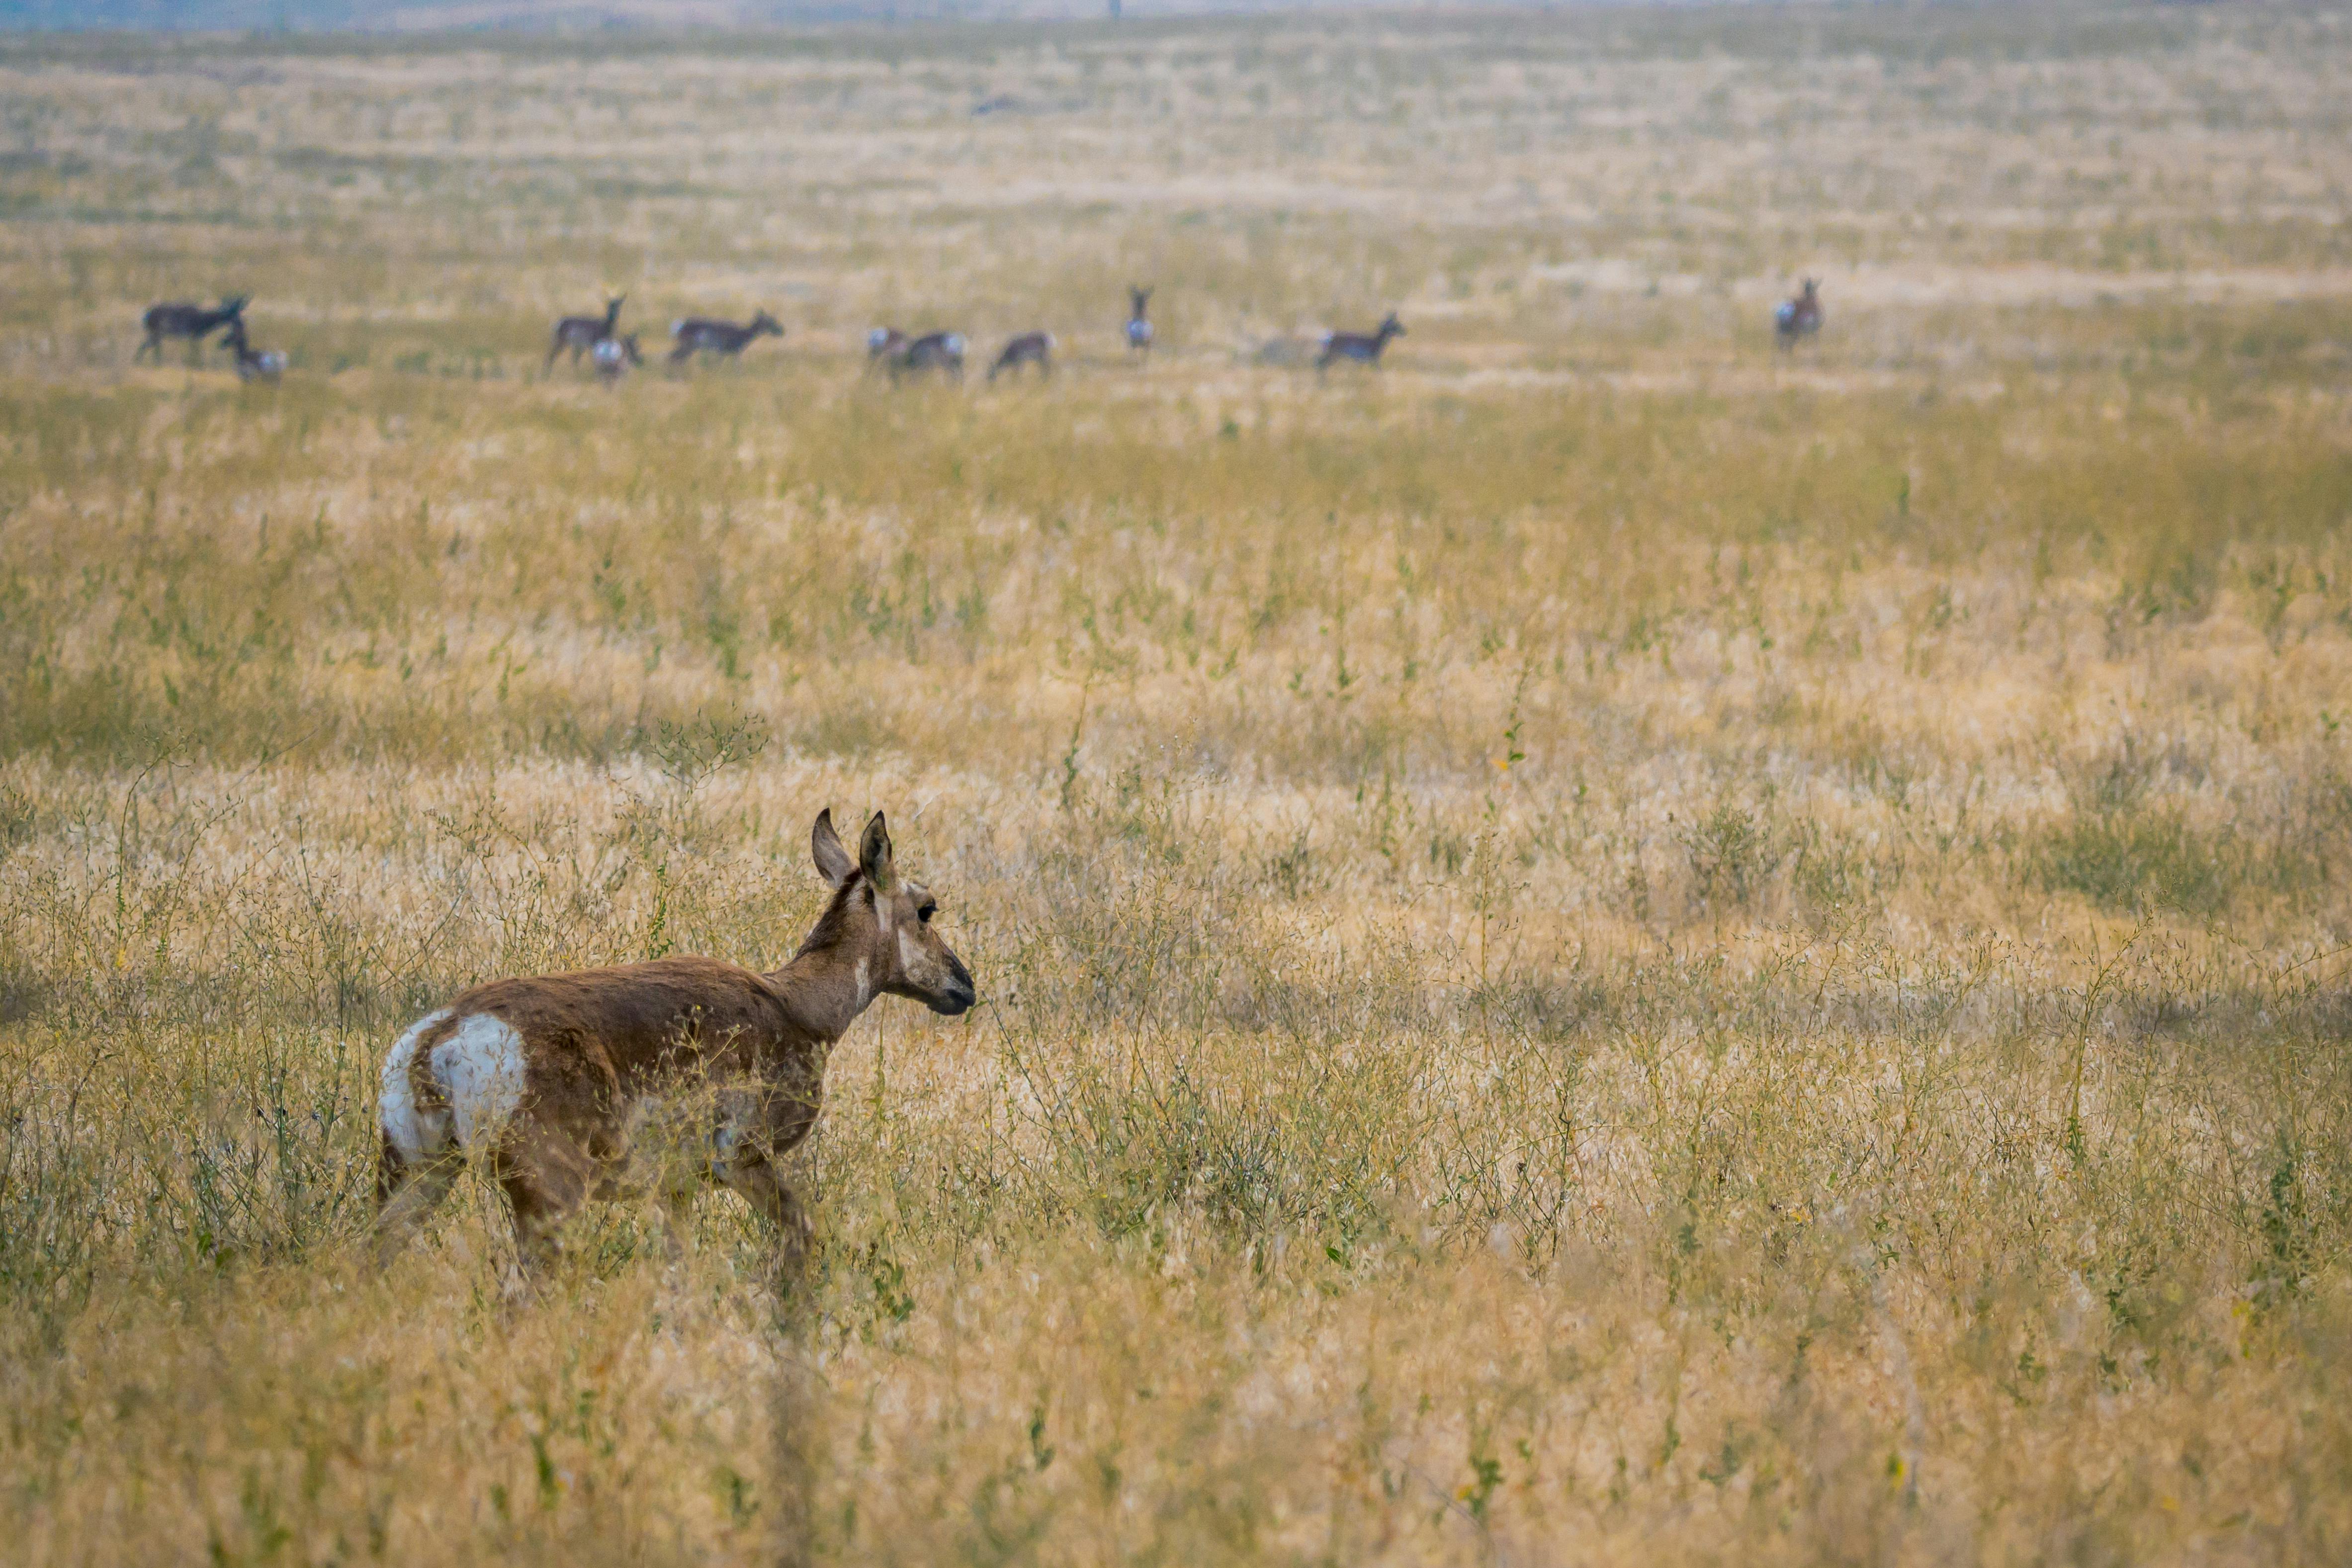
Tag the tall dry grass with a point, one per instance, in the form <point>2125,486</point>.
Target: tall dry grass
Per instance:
<point>1604,947</point>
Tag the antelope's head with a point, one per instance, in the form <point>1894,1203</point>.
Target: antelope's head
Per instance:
<point>1390,327</point>
<point>1813,287</point>
<point>764,322</point>
<point>1138,299</point>
<point>884,919</point>
<point>231,306</point>
<point>612,311</point>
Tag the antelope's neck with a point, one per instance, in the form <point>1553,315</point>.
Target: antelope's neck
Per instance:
<point>824,992</point>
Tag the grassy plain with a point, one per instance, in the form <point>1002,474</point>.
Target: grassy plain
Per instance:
<point>1601,947</point>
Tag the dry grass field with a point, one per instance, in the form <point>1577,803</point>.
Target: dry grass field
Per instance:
<point>1603,946</point>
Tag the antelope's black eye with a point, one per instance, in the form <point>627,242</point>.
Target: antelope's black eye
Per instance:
<point>927,912</point>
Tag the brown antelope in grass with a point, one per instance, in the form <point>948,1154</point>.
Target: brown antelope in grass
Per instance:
<point>581,334</point>
<point>613,356</point>
<point>1139,325</point>
<point>1364,348</point>
<point>192,322</point>
<point>1799,317</point>
<point>252,365</point>
<point>549,1082</point>
<point>698,335</point>
<point>1029,348</point>
<point>941,351</point>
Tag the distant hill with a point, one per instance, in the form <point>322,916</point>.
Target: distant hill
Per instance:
<point>425,16</point>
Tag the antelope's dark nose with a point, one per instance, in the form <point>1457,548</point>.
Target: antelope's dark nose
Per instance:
<point>960,993</point>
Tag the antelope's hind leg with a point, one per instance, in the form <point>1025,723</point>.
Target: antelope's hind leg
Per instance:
<point>649,1162</point>
<point>546,1177</point>
<point>407,1192</point>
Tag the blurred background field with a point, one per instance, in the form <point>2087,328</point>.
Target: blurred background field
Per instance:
<point>1604,945</point>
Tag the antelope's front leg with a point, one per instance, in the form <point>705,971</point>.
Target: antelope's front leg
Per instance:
<point>764,1188</point>
<point>753,1126</point>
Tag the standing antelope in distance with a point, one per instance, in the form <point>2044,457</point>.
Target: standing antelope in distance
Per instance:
<point>613,356</point>
<point>547,1083</point>
<point>252,365</point>
<point>1362,347</point>
<point>1799,317</point>
<point>192,322</point>
<point>583,333</point>
<point>696,334</point>
<point>884,345</point>
<point>1029,348</point>
<point>1139,325</point>
<point>942,352</point>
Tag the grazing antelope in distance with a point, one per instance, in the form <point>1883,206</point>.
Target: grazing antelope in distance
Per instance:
<point>583,333</point>
<point>1799,317</point>
<point>696,334</point>
<point>549,1082</point>
<point>252,365</point>
<point>942,352</point>
<point>1029,348</point>
<point>884,345</point>
<point>613,356</point>
<point>192,322</point>
<point>1139,325</point>
<point>1361,347</point>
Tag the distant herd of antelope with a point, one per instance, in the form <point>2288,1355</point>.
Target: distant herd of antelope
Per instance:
<point>656,1079</point>
<point>613,353</point>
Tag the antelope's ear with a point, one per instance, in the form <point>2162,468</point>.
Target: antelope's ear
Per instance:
<point>832,862</point>
<point>874,855</point>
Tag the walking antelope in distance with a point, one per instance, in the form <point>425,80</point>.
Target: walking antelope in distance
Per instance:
<point>192,322</point>
<point>1799,317</point>
<point>1139,325</point>
<point>613,356</point>
<point>1029,348</point>
<point>252,365</point>
<point>549,1083</point>
<point>583,333</point>
<point>942,352</point>
<point>696,334</point>
<point>1361,347</point>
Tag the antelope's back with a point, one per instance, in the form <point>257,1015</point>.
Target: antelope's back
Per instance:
<point>640,1022</point>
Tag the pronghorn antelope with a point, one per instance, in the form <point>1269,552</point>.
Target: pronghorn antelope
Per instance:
<point>549,1082</point>
<point>884,345</point>
<point>1029,348</point>
<point>1139,325</point>
<point>613,356</point>
<point>583,333</point>
<point>1799,317</point>
<point>192,322</point>
<point>696,334</point>
<point>253,364</point>
<point>942,352</point>
<point>1364,348</point>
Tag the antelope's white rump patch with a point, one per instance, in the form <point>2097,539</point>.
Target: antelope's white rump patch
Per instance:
<point>396,1104</point>
<point>480,1069</point>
